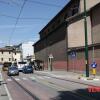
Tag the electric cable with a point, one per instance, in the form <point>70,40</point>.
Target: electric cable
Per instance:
<point>45,4</point>
<point>17,21</point>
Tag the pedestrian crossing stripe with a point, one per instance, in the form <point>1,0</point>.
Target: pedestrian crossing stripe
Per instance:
<point>47,77</point>
<point>9,80</point>
<point>25,78</point>
<point>33,78</point>
<point>40,77</point>
<point>17,79</point>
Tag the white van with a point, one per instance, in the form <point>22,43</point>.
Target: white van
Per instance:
<point>20,65</point>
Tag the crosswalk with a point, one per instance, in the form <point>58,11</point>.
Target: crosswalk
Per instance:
<point>28,78</point>
<point>17,79</point>
<point>1,79</point>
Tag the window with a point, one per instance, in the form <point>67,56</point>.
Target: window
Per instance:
<point>1,59</point>
<point>9,59</point>
<point>2,52</point>
<point>75,10</point>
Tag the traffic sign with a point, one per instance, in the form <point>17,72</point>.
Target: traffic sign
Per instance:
<point>73,54</point>
<point>51,56</point>
<point>94,65</point>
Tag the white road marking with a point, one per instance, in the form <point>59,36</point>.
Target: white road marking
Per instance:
<point>0,76</point>
<point>17,79</point>
<point>47,77</point>
<point>9,79</point>
<point>5,86</point>
<point>33,78</point>
<point>40,77</point>
<point>25,78</point>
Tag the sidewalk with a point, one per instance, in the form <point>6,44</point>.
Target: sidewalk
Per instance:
<point>76,77</point>
<point>3,92</point>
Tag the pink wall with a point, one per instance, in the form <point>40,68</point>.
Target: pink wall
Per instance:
<point>74,65</point>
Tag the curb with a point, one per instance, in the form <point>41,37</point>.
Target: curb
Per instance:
<point>88,78</point>
<point>88,84</point>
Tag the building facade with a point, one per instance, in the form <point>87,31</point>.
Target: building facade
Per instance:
<point>65,34</point>
<point>9,54</point>
<point>27,50</point>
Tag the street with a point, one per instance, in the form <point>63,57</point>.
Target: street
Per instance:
<point>42,87</point>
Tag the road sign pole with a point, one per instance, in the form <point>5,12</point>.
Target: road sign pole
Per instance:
<point>86,41</point>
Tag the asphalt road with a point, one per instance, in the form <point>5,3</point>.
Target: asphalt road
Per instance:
<point>38,87</point>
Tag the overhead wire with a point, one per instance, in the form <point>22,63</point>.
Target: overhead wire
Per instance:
<point>14,2</point>
<point>45,4</point>
<point>18,18</point>
<point>25,18</point>
<point>17,21</point>
<point>4,15</point>
<point>3,2</point>
<point>31,1</point>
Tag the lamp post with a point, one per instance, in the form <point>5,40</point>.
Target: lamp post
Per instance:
<point>86,40</point>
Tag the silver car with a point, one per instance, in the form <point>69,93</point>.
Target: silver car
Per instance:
<point>13,70</point>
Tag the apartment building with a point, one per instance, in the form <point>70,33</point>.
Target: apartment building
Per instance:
<point>9,54</point>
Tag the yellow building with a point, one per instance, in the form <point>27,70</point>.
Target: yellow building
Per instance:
<point>9,54</point>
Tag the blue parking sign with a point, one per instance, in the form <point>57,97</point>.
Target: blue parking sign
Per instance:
<point>94,65</point>
<point>73,54</point>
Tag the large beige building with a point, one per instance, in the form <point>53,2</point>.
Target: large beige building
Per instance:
<point>9,54</point>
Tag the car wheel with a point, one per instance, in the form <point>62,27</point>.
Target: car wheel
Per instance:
<point>32,72</point>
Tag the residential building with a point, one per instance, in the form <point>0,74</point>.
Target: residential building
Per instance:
<point>9,54</point>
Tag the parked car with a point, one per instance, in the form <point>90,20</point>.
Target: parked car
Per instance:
<point>28,69</point>
<point>6,65</point>
<point>13,70</point>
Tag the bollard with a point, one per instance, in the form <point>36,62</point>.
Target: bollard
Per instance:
<point>94,72</point>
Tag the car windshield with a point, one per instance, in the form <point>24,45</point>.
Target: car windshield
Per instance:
<point>28,66</point>
<point>21,62</point>
<point>12,68</point>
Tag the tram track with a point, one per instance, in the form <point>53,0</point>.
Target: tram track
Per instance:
<point>26,90</point>
<point>72,93</point>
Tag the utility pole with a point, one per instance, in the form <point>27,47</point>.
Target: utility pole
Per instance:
<point>86,40</point>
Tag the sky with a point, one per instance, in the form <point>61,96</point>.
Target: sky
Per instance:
<point>18,26</point>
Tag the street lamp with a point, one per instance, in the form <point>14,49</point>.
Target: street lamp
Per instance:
<point>86,40</point>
